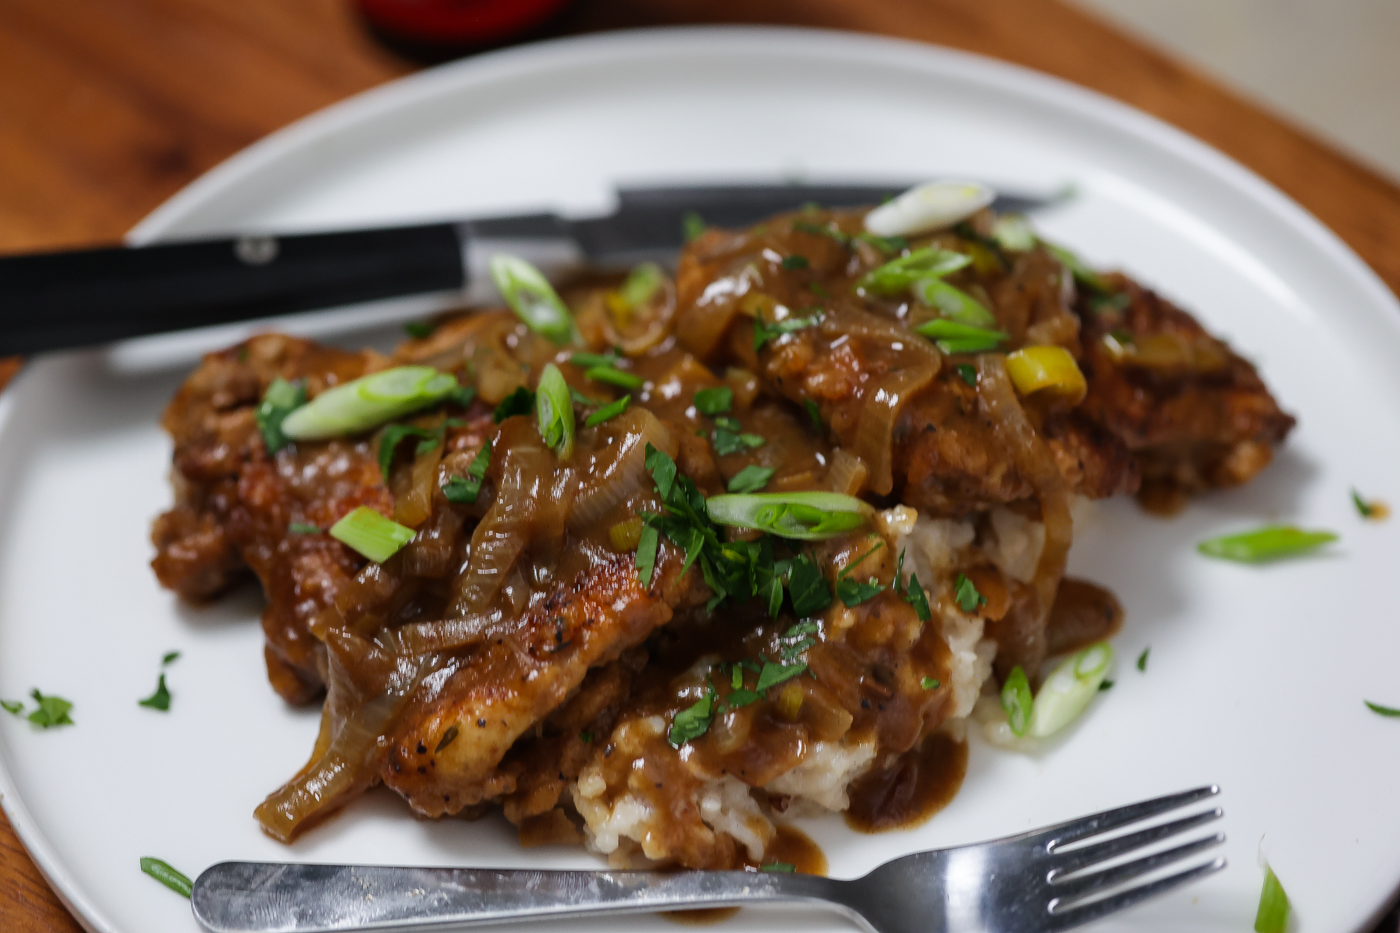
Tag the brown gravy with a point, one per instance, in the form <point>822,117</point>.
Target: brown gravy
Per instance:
<point>790,845</point>
<point>921,782</point>
<point>1083,614</point>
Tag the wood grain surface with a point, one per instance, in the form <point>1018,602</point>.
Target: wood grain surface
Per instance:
<point>108,107</point>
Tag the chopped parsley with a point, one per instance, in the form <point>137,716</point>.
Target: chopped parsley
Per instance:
<point>795,261</point>
<point>714,401</point>
<point>1105,684</point>
<point>930,683</point>
<point>852,592</point>
<point>462,396</point>
<point>463,490</point>
<point>773,674</point>
<point>419,330</point>
<point>786,868</point>
<point>13,707</point>
<point>395,433</point>
<point>170,657</point>
<point>52,711</point>
<point>814,413</point>
<point>726,441</point>
<point>968,372</point>
<point>807,587</point>
<point>614,376</point>
<point>279,401</point>
<point>303,528</point>
<point>1374,707</point>
<point>1142,658</point>
<point>692,225</point>
<point>764,332</point>
<point>160,699</point>
<point>966,595</point>
<point>1369,508</point>
<point>647,543</point>
<point>751,478</point>
<point>519,402</point>
<point>693,721</point>
<point>914,594</point>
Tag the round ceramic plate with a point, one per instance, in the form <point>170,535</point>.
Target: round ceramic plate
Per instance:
<point>1256,675</point>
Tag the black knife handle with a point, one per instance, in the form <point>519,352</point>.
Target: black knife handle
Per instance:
<point>56,300</point>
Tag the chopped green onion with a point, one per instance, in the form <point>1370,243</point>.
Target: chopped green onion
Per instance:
<point>554,408</point>
<point>613,376</point>
<point>1272,916</point>
<point>303,528</point>
<point>1142,659</point>
<point>795,262</point>
<point>160,699</point>
<point>885,244</point>
<point>586,738</point>
<point>953,337</point>
<point>13,707</point>
<point>693,721</point>
<point>463,490</point>
<point>590,360</point>
<point>366,531</point>
<point>1069,688</point>
<point>1013,232</point>
<point>805,516</point>
<point>1265,544</point>
<point>807,587</point>
<point>642,284</point>
<point>764,332</point>
<point>899,274</point>
<point>610,410</point>
<point>368,402</point>
<point>419,330</point>
<point>831,232</point>
<point>581,399</point>
<point>714,401</point>
<point>968,373</point>
<point>1016,700</point>
<point>1077,267</point>
<point>916,597</point>
<point>751,478</point>
<point>170,657</point>
<point>533,299</point>
<point>167,876</point>
<point>728,423</point>
<point>966,595</point>
<point>773,674</point>
<point>1382,710</point>
<point>728,442</point>
<point>52,711</point>
<point>814,413</point>
<point>692,225</point>
<point>954,303</point>
<point>519,402</point>
<point>395,433</point>
<point>646,554</point>
<point>280,400</point>
<point>930,683</point>
<point>786,868</point>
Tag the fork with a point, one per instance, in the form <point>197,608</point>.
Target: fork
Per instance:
<point>1037,882</point>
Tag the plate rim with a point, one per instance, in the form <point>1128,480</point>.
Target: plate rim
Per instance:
<point>1009,79</point>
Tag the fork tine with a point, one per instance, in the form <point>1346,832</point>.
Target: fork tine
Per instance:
<point>1075,916</point>
<point>1098,823</point>
<point>1077,859</point>
<point>1084,885</point>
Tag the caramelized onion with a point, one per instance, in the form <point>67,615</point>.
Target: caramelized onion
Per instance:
<point>874,442</point>
<point>847,473</point>
<point>618,470</point>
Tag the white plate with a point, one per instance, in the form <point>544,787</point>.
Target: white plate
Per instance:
<point>1257,675</point>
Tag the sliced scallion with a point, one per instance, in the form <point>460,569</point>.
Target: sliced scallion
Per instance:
<point>764,332</point>
<point>554,407</point>
<point>610,410</point>
<point>1016,700</point>
<point>1272,916</point>
<point>168,876</point>
<point>805,516</point>
<point>1269,543</point>
<point>533,299</point>
<point>751,478</point>
<point>1069,688</point>
<point>954,303</point>
<point>368,402</point>
<point>366,531</point>
<point>795,261</point>
<point>613,376</point>
<point>899,274</point>
<point>953,337</point>
<point>280,400</point>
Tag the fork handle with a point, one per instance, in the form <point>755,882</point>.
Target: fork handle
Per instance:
<point>262,897</point>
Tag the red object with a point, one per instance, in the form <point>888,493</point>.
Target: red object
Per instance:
<point>458,22</point>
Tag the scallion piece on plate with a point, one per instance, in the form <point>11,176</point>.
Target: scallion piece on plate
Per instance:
<point>280,400</point>
<point>1382,710</point>
<point>610,410</point>
<point>804,516</point>
<point>614,376</point>
<point>1272,916</point>
<point>954,303</point>
<point>533,299</point>
<point>367,532</point>
<point>898,274</point>
<point>554,408</point>
<point>953,337</point>
<point>1069,688</point>
<point>1271,542</point>
<point>368,402</point>
<point>1016,700</point>
<point>172,879</point>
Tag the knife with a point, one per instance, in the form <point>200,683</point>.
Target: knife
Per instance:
<point>59,300</point>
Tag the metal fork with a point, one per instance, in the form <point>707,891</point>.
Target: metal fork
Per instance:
<point>1047,880</point>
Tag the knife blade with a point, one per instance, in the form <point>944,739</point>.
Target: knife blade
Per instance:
<point>60,300</point>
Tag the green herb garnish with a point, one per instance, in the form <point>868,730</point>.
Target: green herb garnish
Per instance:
<point>966,595</point>
<point>160,699</point>
<point>167,876</point>
<point>795,261</point>
<point>1016,700</point>
<point>1272,916</point>
<point>1069,689</point>
<point>692,225</point>
<point>786,868</point>
<point>807,587</point>
<point>830,232</point>
<point>303,528</point>
<point>368,402</point>
<point>805,516</point>
<point>922,264</point>
<point>1374,707</point>
<point>13,707</point>
<point>610,410</point>
<point>419,330</point>
<point>463,490</point>
<point>693,721</point>
<point>642,284</point>
<point>773,674</point>
<point>1105,684</point>
<point>751,478</point>
<point>930,683</point>
<point>727,442</point>
<point>533,299</point>
<point>1367,509</point>
<point>646,554</point>
<point>1265,544</point>
<point>519,402</point>
<point>52,711</point>
<point>615,377</point>
<point>394,434</point>
<point>279,401</point>
<point>764,332</point>
<point>953,337</point>
<point>968,373</point>
<point>714,401</point>
<point>367,532</point>
<point>1142,659</point>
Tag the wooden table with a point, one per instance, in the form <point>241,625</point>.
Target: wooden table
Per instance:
<point>108,107</point>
